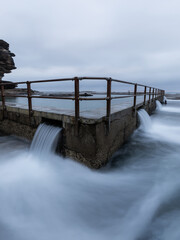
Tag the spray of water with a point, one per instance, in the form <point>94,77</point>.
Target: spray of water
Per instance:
<point>156,129</point>
<point>45,139</point>
<point>137,197</point>
<point>158,105</point>
<point>164,98</point>
<point>145,120</point>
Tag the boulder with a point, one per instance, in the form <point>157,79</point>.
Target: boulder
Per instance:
<point>6,63</point>
<point>6,59</point>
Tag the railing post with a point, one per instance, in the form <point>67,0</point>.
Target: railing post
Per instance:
<point>108,103</point>
<point>153,95</point>
<point>29,100</point>
<point>76,90</point>
<point>149,95</point>
<point>3,99</point>
<point>135,94</point>
<point>145,95</point>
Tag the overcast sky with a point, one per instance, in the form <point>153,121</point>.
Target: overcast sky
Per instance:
<point>137,40</point>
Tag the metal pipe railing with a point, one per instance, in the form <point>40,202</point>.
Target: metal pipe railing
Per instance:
<point>108,102</point>
<point>76,90</point>
<point>153,94</point>
<point>145,95</point>
<point>135,95</point>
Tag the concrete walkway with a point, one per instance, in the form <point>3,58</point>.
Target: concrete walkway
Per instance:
<point>91,113</point>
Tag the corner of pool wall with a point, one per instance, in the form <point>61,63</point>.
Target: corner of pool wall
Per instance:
<point>92,146</point>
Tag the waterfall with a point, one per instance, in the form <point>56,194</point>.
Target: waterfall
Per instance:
<point>45,139</point>
<point>158,105</point>
<point>164,98</point>
<point>145,120</point>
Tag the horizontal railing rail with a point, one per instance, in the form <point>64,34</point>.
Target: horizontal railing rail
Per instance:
<point>150,92</point>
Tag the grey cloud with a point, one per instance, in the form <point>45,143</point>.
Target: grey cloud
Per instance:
<point>131,40</point>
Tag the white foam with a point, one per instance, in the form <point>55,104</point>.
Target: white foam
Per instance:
<point>158,105</point>
<point>45,139</point>
<point>145,120</point>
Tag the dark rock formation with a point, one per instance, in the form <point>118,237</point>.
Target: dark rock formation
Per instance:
<point>6,59</point>
<point>6,62</point>
<point>10,85</point>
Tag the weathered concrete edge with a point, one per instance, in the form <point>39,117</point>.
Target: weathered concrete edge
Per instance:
<point>93,146</point>
<point>123,128</point>
<point>52,115</point>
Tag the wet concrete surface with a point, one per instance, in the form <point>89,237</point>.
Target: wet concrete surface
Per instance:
<point>91,113</point>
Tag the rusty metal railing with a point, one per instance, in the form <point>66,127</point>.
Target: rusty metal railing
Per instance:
<point>153,93</point>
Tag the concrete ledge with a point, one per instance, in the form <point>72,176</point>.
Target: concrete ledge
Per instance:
<point>93,146</point>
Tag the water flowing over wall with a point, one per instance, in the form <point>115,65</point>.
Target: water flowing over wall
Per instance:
<point>145,119</point>
<point>45,139</point>
<point>158,105</point>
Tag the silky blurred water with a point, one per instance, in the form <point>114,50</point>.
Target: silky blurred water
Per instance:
<point>137,196</point>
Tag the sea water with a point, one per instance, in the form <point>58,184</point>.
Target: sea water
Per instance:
<point>137,196</point>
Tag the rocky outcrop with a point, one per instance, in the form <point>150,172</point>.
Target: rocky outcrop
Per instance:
<point>6,59</point>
